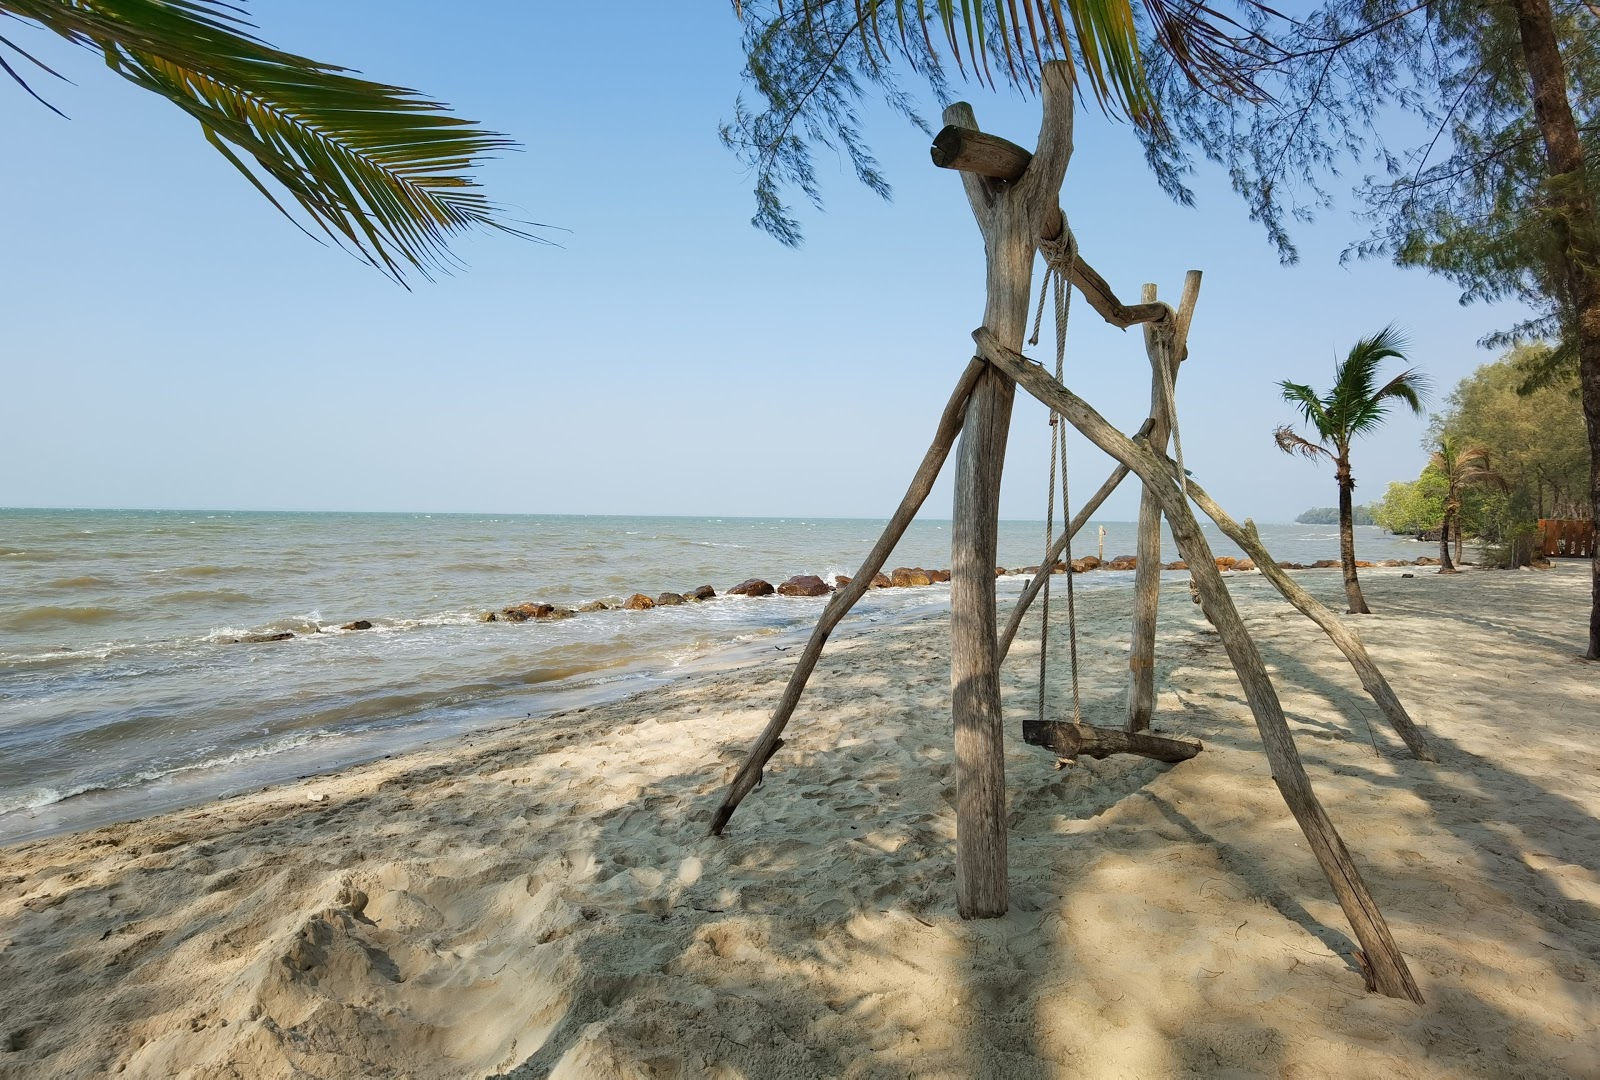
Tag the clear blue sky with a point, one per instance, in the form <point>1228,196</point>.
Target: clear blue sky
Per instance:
<point>170,341</point>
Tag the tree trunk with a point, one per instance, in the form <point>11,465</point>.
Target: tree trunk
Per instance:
<point>1347,536</point>
<point>1445,565</point>
<point>1011,216</point>
<point>1573,224</point>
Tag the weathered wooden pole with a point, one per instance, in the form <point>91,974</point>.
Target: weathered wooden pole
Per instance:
<point>1011,215</point>
<point>1165,343</point>
<point>1158,344</point>
<point>1341,635</point>
<point>1384,965</point>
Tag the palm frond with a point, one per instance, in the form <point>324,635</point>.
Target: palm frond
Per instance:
<point>1355,378</point>
<point>1291,443</point>
<point>380,169</point>
<point>1313,408</point>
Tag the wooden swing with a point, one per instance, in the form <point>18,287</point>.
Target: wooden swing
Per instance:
<point>1013,195</point>
<point>1076,738</point>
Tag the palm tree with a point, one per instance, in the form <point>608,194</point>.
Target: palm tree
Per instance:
<point>382,171</point>
<point>1461,467</point>
<point>1354,406</point>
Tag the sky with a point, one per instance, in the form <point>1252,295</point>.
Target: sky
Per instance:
<point>172,342</point>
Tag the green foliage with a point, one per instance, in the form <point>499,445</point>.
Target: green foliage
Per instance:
<point>1507,531</point>
<point>1467,194</point>
<point>1503,457</point>
<point>1356,404</point>
<point>381,170</point>
<point>813,63</point>
<point>1536,441</point>
<point>1329,515</point>
<point>1411,506</point>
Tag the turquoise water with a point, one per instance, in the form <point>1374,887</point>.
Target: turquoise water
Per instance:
<point>121,691</point>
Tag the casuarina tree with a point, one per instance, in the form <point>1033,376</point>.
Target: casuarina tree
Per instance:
<point>1354,406</point>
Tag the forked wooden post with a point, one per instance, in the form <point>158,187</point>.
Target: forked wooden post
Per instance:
<point>1165,343</point>
<point>1011,215</point>
<point>1158,344</point>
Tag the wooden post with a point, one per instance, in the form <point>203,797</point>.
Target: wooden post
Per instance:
<point>1165,342</point>
<point>1384,965</point>
<point>1147,572</point>
<point>1011,217</point>
<point>944,437</point>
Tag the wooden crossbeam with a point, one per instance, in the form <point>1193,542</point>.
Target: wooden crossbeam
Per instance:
<point>971,151</point>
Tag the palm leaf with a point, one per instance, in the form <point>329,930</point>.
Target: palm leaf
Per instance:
<point>1291,443</point>
<point>1311,407</point>
<point>380,169</point>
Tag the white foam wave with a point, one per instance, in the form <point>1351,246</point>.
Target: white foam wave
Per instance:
<point>37,798</point>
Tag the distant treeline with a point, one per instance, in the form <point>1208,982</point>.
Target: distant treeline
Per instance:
<point>1329,515</point>
<point>1521,451</point>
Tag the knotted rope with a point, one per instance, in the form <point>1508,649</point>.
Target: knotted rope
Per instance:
<point>1060,256</point>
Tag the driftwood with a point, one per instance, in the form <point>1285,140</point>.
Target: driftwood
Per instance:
<point>843,600</point>
<point>1385,967</point>
<point>1011,216</point>
<point>1046,568</point>
<point>1341,635</point>
<point>1070,740</point>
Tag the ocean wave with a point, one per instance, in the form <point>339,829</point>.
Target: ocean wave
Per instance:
<point>83,581</point>
<point>55,615</point>
<point>202,571</point>
<point>206,596</point>
<point>36,798</point>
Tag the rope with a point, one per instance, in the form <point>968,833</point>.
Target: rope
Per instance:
<point>1060,256</point>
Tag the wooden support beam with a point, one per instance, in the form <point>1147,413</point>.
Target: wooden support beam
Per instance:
<point>1341,635</point>
<point>1185,315</point>
<point>1095,290</point>
<point>970,150</point>
<point>1384,965</point>
<point>977,153</point>
<point>1070,740</point>
<point>944,438</point>
<point>1011,217</point>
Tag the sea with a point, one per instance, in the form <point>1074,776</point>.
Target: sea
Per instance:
<point>123,691</point>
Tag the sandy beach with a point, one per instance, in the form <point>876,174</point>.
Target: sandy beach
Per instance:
<point>542,899</point>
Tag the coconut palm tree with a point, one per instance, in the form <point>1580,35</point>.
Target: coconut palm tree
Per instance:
<point>1461,467</point>
<point>380,170</point>
<point>1354,406</point>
